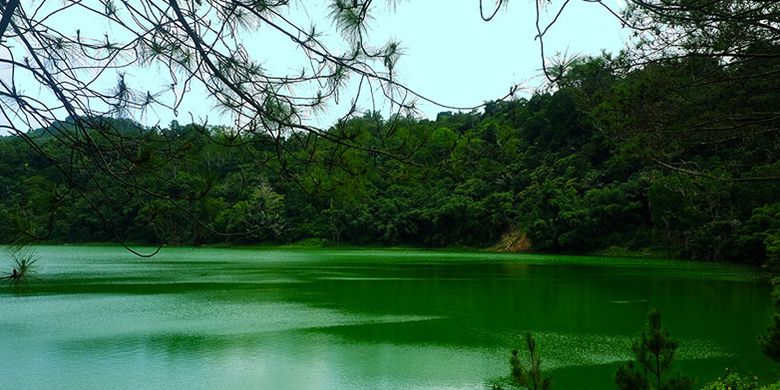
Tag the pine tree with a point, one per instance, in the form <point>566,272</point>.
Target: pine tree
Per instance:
<point>654,351</point>
<point>532,377</point>
<point>629,377</point>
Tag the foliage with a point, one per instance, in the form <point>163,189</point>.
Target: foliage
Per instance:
<point>530,376</point>
<point>667,157</point>
<point>733,381</point>
<point>539,167</point>
<point>629,376</point>
<point>770,342</point>
<point>654,352</point>
<point>77,120</point>
<point>763,228</point>
<point>23,268</point>
<point>24,260</point>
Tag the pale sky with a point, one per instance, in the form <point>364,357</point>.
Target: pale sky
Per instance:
<point>454,57</point>
<point>450,54</point>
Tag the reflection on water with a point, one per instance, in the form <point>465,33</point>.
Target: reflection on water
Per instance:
<point>294,319</point>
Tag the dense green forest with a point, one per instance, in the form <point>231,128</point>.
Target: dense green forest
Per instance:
<point>646,158</point>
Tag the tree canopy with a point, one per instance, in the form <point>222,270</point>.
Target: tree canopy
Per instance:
<point>663,137</point>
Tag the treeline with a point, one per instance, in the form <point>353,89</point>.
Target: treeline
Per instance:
<point>607,156</point>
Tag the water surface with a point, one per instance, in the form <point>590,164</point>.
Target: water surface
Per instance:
<point>362,319</point>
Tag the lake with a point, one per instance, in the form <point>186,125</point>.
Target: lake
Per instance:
<point>99,317</point>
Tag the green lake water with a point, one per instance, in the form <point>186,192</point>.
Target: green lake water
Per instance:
<point>98,317</point>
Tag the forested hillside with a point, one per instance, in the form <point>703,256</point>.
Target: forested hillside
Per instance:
<point>648,158</point>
